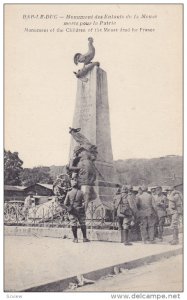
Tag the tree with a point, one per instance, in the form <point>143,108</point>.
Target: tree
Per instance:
<point>12,168</point>
<point>56,170</point>
<point>155,171</point>
<point>37,174</point>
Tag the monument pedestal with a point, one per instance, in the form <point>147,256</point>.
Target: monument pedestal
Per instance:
<point>92,116</point>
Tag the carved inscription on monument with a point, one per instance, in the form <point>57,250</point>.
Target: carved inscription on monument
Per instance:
<point>85,111</point>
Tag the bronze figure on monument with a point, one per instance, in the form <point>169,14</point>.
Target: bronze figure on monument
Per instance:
<point>86,59</point>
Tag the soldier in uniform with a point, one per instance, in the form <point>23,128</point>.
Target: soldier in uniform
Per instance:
<point>74,202</point>
<point>125,214</point>
<point>160,206</point>
<point>146,215</point>
<point>132,200</point>
<point>120,195</point>
<point>175,210</point>
<point>118,189</point>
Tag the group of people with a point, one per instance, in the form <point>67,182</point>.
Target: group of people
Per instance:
<point>146,210</point>
<point>149,211</point>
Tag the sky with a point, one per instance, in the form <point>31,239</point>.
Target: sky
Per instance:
<point>144,72</point>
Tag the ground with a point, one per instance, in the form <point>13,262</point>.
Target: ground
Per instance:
<point>164,275</point>
<point>32,261</point>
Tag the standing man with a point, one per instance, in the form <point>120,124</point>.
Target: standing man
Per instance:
<point>121,197</point>
<point>175,210</point>
<point>160,205</point>
<point>74,203</point>
<point>125,214</point>
<point>147,215</point>
<point>132,201</point>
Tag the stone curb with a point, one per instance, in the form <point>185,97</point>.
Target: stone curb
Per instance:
<point>61,285</point>
<point>93,235</point>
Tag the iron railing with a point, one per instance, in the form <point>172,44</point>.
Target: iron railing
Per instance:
<point>52,214</point>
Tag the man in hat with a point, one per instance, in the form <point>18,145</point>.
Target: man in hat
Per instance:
<point>125,214</point>
<point>120,195</point>
<point>132,200</point>
<point>175,211</point>
<point>160,206</point>
<point>118,189</point>
<point>74,203</point>
<point>146,215</point>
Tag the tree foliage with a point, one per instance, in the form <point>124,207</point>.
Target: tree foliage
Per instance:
<point>12,168</point>
<point>155,171</point>
<point>34,175</point>
<point>56,170</point>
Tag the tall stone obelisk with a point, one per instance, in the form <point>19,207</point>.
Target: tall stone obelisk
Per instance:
<point>92,116</point>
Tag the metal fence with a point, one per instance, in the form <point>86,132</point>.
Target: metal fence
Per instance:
<point>52,214</point>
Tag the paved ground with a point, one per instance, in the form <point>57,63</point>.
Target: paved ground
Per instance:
<point>164,275</point>
<point>31,261</point>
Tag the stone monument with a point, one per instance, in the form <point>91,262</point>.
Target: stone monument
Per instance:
<point>91,121</point>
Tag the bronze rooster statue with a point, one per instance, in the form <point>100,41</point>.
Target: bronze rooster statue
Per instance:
<point>85,58</point>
